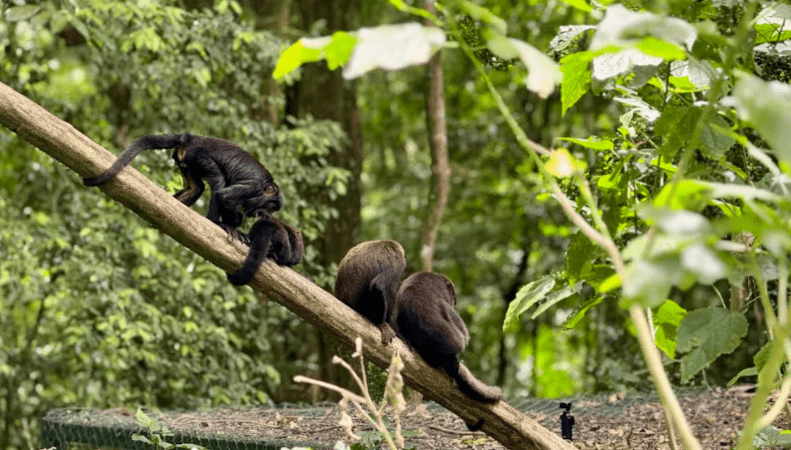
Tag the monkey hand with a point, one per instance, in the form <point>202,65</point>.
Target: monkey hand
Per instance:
<point>235,235</point>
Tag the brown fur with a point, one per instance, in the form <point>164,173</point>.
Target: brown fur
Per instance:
<point>367,280</point>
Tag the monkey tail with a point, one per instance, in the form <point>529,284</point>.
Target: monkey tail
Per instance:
<point>473,387</point>
<point>152,142</point>
<point>260,241</point>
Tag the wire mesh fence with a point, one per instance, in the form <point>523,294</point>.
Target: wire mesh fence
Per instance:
<point>315,427</point>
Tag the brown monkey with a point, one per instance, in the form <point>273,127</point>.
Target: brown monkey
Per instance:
<point>428,322</point>
<point>269,238</point>
<point>367,280</point>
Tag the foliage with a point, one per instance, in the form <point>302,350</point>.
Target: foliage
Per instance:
<point>157,433</point>
<point>671,210</point>
<point>99,309</point>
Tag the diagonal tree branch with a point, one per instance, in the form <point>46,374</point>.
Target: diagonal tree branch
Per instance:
<point>63,142</point>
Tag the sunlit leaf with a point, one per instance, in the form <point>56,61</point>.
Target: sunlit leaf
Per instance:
<point>392,47</point>
<point>767,105</point>
<point>542,72</point>
<point>592,143</point>
<point>705,334</point>
<point>623,28</point>
<point>579,4</point>
<point>17,13</point>
<point>562,164</point>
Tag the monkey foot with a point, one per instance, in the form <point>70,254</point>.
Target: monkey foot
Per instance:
<point>387,333</point>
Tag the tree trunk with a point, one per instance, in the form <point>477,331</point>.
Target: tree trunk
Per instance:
<point>440,166</point>
<point>323,94</point>
<point>72,148</point>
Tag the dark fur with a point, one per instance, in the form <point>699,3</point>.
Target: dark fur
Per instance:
<point>367,280</point>
<point>271,238</point>
<point>428,322</point>
<point>236,178</point>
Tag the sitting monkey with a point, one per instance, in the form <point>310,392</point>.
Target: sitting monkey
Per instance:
<point>428,322</point>
<point>367,280</point>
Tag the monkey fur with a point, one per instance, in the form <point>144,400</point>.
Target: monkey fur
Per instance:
<point>367,280</point>
<point>428,322</point>
<point>271,238</point>
<point>236,178</point>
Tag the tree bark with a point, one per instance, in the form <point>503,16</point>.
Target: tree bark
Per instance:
<point>67,145</point>
<point>440,165</point>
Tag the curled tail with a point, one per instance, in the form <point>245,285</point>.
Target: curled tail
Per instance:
<point>261,234</point>
<point>139,146</point>
<point>473,387</point>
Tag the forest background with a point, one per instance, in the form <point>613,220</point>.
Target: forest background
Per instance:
<point>101,310</point>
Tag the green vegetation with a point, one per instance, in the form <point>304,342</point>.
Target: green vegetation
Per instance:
<point>667,198</point>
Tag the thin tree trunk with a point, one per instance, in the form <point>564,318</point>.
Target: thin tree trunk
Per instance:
<point>130,188</point>
<point>440,165</point>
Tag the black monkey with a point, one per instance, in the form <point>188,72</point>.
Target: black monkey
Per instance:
<point>272,238</point>
<point>367,280</point>
<point>236,178</point>
<point>428,322</point>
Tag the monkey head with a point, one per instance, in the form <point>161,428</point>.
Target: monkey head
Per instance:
<point>263,205</point>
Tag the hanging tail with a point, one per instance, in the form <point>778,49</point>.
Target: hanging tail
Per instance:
<point>473,387</point>
<point>152,142</point>
<point>261,234</point>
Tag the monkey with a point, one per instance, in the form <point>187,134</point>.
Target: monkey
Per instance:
<point>428,322</point>
<point>236,177</point>
<point>367,280</point>
<point>272,238</point>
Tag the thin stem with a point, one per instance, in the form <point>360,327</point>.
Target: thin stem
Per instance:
<point>666,395</point>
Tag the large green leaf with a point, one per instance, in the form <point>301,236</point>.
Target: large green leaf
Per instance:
<point>626,29</point>
<point>392,47</point>
<point>705,334</point>
<point>666,321</point>
<point>767,105</point>
<point>576,78</point>
<point>542,72</point>
<point>529,295</point>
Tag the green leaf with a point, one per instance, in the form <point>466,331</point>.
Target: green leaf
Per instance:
<point>648,282</point>
<point>654,47</point>
<point>676,124</point>
<point>17,13</point>
<point>574,318</point>
<point>748,372</point>
<point>340,49</point>
<point>592,143</point>
<point>705,334</point>
<point>578,255</point>
<point>767,105</point>
<point>554,297</point>
<point>579,4</point>
<point>529,295</point>
<point>303,51</point>
<point>576,78</point>
<point>714,142</point>
<point>666,321</point>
